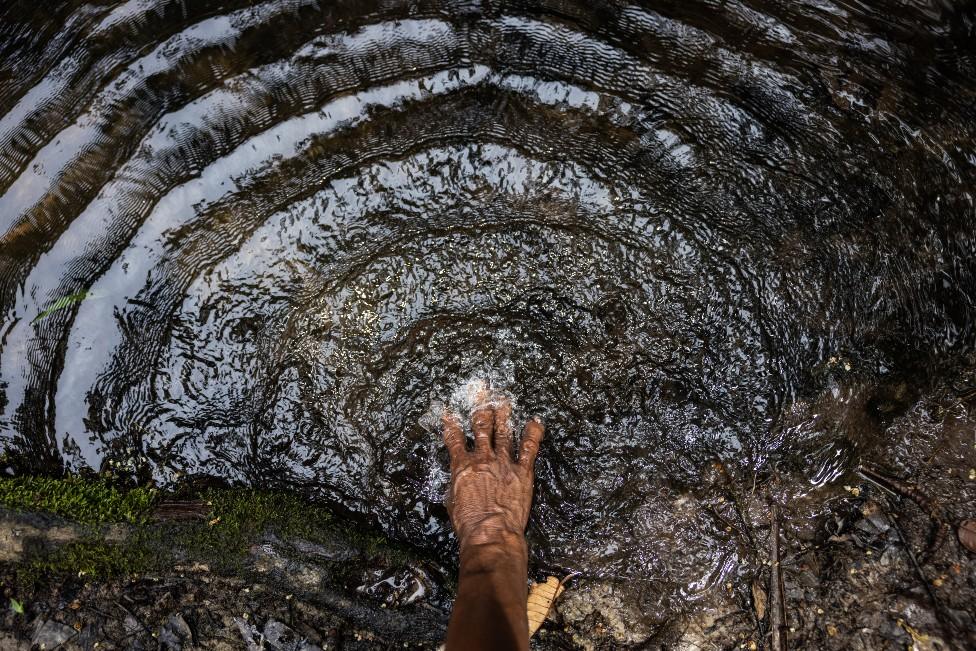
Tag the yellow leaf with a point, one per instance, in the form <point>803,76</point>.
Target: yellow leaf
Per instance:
<point>541,598</point>
<point>759,599</point>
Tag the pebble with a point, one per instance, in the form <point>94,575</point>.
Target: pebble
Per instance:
<point>281,637</point>
<point>51,635</point>
<point>174,633</point>
<point>967,535</point>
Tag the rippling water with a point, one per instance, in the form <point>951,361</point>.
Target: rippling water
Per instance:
<point>265,241</point>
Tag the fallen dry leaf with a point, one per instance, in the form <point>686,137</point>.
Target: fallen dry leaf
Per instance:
<point>541,598</point>
<point>918,638</point>
<point>967,535</point>
<point>759,599</point>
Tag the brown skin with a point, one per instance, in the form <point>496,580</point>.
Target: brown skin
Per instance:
<point>489,501</point>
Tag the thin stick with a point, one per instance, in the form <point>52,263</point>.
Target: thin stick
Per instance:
<point>939,530</point>
<point>945,626</point>
<point>777,611</point>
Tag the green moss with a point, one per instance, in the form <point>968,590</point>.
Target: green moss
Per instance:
<point>238,518</point>
<point>92,559</point>
<point>87,501</point>
<point>247,513</point>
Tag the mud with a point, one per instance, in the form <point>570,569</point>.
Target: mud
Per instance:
<point>863,574</point>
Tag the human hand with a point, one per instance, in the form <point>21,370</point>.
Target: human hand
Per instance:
<point>490,492</point>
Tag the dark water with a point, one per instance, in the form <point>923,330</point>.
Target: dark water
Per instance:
<point>267,241</point>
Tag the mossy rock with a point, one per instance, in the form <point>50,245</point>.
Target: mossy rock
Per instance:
<point>232,520</point>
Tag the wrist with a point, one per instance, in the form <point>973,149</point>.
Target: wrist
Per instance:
<point>487,553</point>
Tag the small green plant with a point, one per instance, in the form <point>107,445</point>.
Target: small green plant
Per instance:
<point>62,303</point>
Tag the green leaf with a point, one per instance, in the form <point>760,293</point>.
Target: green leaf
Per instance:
<point>61,303</point>
<point>16,606</point>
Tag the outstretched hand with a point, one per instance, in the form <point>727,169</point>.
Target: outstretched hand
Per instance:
<point>489,500</point>
<point>491,491</point>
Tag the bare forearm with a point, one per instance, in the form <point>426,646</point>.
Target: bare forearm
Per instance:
<point>489,612</point>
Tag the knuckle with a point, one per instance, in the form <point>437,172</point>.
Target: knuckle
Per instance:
<point>453,443</point>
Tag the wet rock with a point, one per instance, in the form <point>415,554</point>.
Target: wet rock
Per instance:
<point>890,556</point>
<point>867,530</point>
<point>87,637</point>
<point>132,625</point>
<point>303,576</point>
<point>175,633</point>
<point>21,531</point>
<point>51,634</point>
<point>600,611</point>
<point>398,586</point>
<point>334,551</point>
<point>873,513</point>
<point>276,636</point>
<point>967,535</point>
<point>280,637</point>
<point>253,639</point>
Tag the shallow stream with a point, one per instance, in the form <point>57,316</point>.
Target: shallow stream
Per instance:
<point>268,241</point>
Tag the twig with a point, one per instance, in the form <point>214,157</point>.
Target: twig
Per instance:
<point>940,529</point>
<point>777,611</point>
<point>181,510</point>
<point>945,626</point>
<point>795,557</point>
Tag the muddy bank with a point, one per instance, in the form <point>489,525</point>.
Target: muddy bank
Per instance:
<point>230,569</point>
<point>869,561</point>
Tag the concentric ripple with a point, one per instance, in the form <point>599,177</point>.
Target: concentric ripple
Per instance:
<point>265,241</point>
